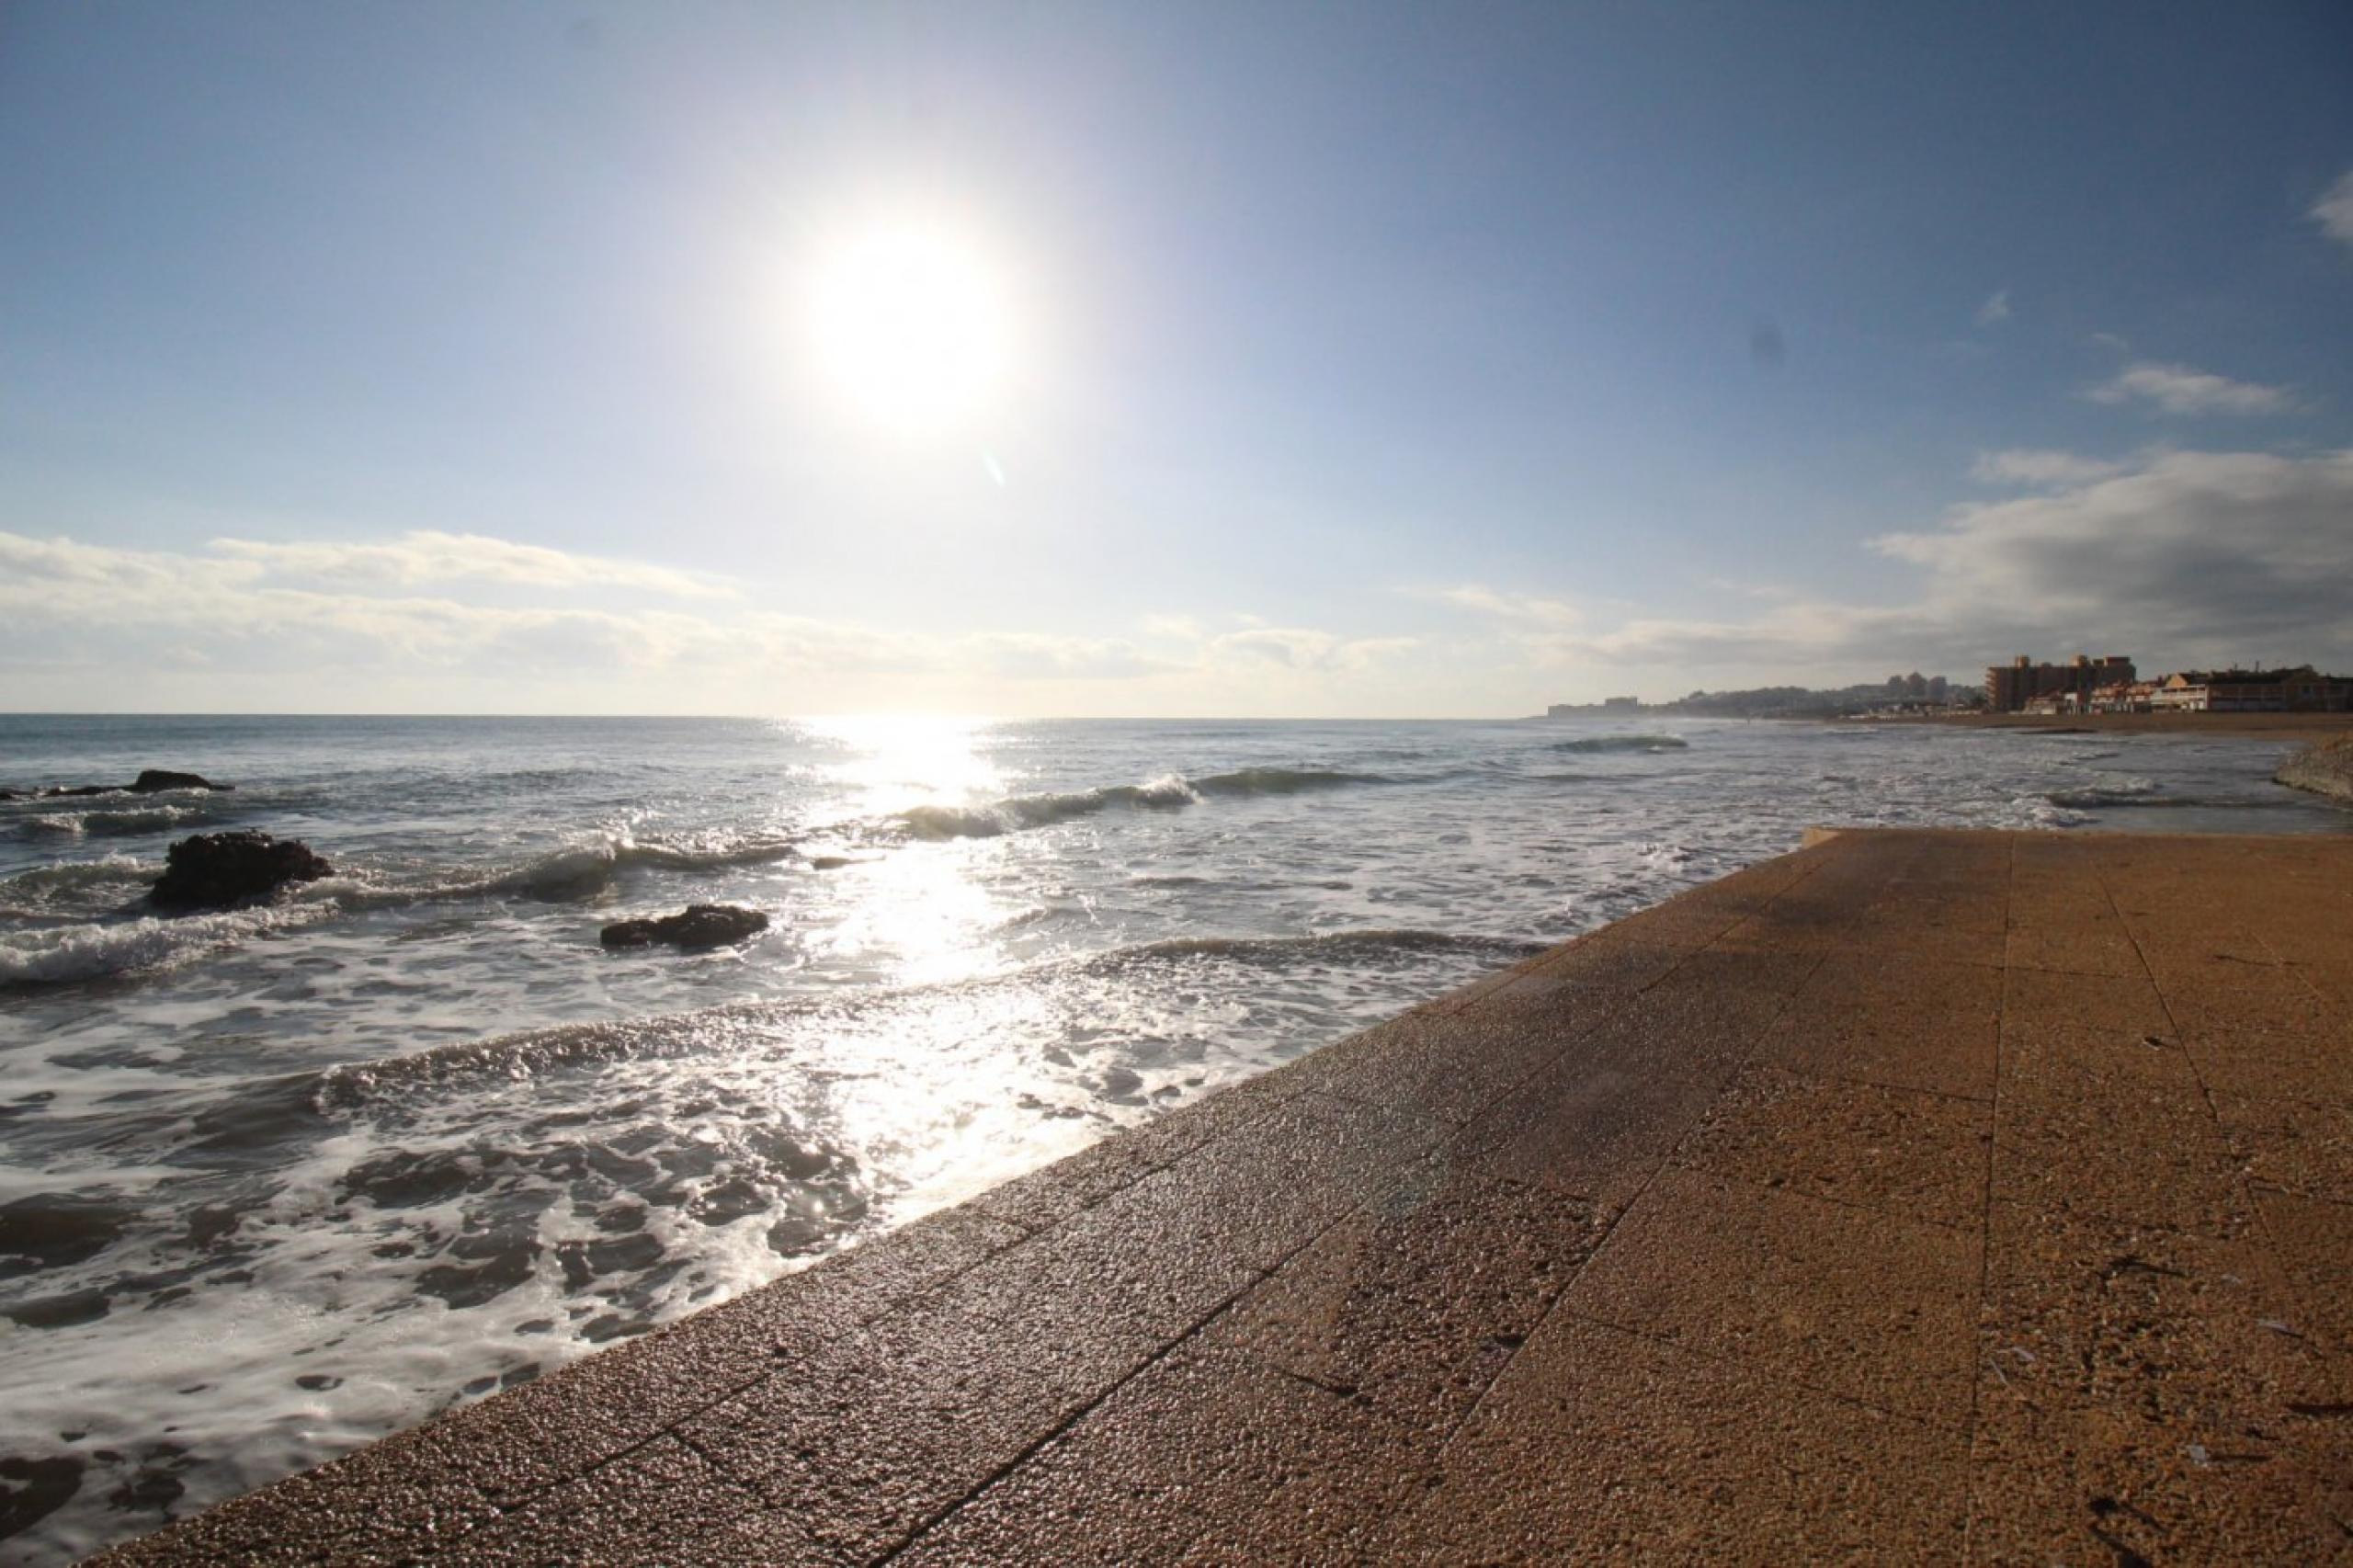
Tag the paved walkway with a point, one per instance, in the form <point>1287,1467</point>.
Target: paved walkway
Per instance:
<point>1918,1197</point>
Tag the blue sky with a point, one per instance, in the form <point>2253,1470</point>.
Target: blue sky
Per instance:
<point>1410,359</point>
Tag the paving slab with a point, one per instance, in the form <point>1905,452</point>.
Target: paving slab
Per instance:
<point>1916,1197</point>
<point>1828,1296</point>
<point>1599,1444</point>
<point>1902,1152</point>
<point>1414,1303</point>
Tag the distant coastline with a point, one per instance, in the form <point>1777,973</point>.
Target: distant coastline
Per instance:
<point>2246,726</point>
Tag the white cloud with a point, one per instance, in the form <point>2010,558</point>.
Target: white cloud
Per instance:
<point>2037,466</point>
<point>1301,649</point>
<point>2229,553</point>
<point>2177,557</point>
<point>2334,210</point>
<point>1996,308</point>
<point>428,556</point>
<point>2178,389</point>
<point>97,625</point>
<point>1523,608</point>
<point>2109,341</point>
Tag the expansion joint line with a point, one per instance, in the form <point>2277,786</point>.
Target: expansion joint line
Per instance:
<point>1609,1229</point>
<point>1183,1337</point>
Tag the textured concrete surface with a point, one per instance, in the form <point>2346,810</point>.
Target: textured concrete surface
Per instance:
<point>1918,1197</point>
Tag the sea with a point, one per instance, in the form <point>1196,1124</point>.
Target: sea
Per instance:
<point>278,1181</point>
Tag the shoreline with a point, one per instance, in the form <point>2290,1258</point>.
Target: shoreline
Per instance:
<point>2280,727</point>
<point>1694,1228</point>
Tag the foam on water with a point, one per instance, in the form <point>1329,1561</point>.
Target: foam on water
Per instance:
<point>276,1181</point>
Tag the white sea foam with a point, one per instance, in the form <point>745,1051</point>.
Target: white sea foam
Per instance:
<point>53,954</point>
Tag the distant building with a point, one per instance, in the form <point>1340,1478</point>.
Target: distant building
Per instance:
<point>2016,686</point>
<point>2299,690</point>
<point>1607,705</point>
<point>2118,697</point>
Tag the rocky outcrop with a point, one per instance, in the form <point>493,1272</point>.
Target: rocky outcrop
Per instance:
<point>217,871</point>
<point>151,779</point>
<point>2324,767</point>
<point>151,782</point>
<point>700,926</point>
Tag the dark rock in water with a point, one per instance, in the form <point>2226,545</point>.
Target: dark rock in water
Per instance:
<point>701,926</point>
<point>217,871</point>
<point>59,1312</point>
<point>151,782</point>
<point>151,779</point>
<point>50,1230</point>
<point>36,1489</point>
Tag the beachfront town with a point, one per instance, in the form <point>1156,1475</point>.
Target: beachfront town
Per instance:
<point>2109,684</point>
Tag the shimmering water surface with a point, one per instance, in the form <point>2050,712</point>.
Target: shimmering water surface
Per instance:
<point>274,1182</point>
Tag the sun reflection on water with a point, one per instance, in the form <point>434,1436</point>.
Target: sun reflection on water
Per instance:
<point>924,914</point>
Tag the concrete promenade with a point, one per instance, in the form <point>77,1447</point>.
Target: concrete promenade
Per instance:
<point>1918,1197</point>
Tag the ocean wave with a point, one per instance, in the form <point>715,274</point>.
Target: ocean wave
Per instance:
<point>575,871</point>
<point>94,950</point>
<point>85,887</point>
<point>1018,811</point>
<point>1283,780</point>
<point>1358,946</point>
<point>1169,791</point>
<point>520,1057</point>
<point>2145,797</point>
<point>109,824</point>
<point>1624,742</point>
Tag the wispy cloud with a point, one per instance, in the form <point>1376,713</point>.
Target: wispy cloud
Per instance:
<point>2039,466</point>
<point>310,623</point>
<point>427,556</point>
<point>1298,648</point>
<point>1528,609</point>
<point>1996,308</point>
<point>2178,389</point>
<point>2185,556</point>
<point>2334,210</point>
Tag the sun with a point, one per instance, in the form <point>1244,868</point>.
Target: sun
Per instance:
<point>910,326</point>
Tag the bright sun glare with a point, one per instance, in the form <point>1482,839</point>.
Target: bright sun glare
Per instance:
<point>911,326</point>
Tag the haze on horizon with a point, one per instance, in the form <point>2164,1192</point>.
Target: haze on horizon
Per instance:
<point>1161,359</point>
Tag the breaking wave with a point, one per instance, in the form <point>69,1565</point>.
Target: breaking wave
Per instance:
<point>55,956</point>
<point>1170,791</point>
<point>1283,780</point>
<point>76,888</point>
<point>107,824</point>
<point>575,871</point>
<point>1624,742</point>
<point>2145,796</point>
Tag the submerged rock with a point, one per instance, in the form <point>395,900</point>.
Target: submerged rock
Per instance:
<point>151,782</point>
<point>215,870</point>
<point>2324,767</point>
<point>48,1230</point>
<point>700,926</point>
